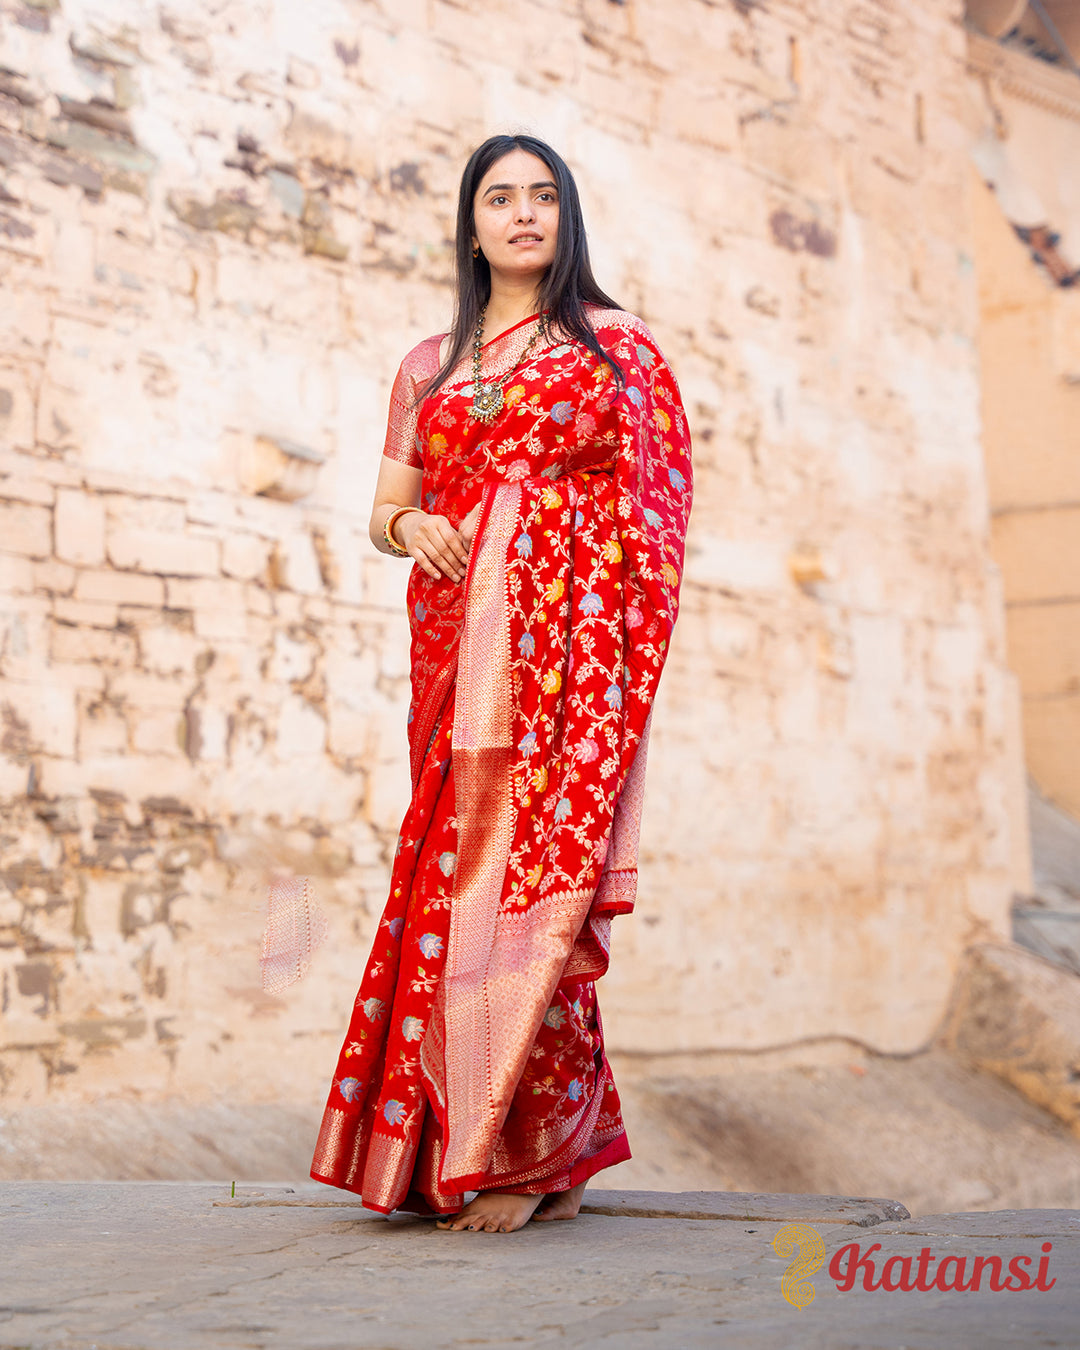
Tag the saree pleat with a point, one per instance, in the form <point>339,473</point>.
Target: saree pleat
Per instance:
<point>474,1057</point>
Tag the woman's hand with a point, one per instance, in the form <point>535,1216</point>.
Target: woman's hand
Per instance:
<point>467,529</point>
<point>434,543</point>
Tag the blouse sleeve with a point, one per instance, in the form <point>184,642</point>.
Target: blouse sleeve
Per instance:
<point>402,443</point>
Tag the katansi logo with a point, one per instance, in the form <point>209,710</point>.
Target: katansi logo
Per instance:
<point>804,1249</point>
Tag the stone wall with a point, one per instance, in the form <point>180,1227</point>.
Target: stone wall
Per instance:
<point>221,225</point>
<point>1029,345</point>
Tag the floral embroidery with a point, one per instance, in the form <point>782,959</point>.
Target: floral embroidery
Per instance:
<point>412,1028</point>
<point>394,1112</point>
<point>431,945</point>
<point>349,1087</point>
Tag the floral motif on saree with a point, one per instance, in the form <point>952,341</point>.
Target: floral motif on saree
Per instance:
<point>474,1057</point>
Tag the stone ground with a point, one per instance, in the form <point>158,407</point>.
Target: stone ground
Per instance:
<point>175,1266</point>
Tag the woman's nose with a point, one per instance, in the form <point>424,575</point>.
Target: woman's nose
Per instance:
<point>525,210</point>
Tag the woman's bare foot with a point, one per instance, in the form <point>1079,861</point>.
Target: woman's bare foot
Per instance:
<point>492,1212</point>
<point>561,1204</point>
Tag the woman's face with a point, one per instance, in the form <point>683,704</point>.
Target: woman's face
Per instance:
<point>516,216</point>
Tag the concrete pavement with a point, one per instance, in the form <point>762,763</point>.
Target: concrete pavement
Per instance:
<point>187,1265</point>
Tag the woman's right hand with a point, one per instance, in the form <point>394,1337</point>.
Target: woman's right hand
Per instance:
<point>434,543</point>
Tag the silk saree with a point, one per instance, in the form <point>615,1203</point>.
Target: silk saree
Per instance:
<point>474,1057</point>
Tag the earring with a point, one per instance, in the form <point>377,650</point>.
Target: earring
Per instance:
<point>476,251</point>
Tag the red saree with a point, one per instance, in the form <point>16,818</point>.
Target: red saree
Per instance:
<point>474,1059</point>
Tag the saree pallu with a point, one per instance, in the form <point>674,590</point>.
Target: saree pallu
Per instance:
<point>474,1057</point>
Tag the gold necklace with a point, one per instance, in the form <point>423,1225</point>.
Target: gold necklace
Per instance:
<point>488,399</point>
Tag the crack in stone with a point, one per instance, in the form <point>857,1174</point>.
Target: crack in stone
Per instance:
<point>699,1216</point>
<point>285,1204</point>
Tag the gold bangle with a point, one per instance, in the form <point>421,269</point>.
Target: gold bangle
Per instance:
<point>393,545</point>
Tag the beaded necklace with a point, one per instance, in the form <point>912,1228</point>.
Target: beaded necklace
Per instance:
<point>488,399</point>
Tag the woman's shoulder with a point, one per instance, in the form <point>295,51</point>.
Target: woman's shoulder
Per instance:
<point>620,320</point>
<point>628,337</point>
<point>422,361</point>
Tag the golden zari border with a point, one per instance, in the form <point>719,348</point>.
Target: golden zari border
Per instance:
<point>352,1155</point>
<point>481,749</point>
<point>502,966</point>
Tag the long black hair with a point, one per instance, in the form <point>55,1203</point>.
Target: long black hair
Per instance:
<point>568,284</point>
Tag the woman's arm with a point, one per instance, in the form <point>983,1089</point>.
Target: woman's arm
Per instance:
<point>431,540</point>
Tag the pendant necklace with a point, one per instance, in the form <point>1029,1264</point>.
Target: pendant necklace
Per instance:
<point>488,399</point>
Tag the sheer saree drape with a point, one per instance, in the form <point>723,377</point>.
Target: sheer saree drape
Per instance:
<point>474,1057</point>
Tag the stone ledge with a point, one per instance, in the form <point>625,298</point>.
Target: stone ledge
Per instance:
<point>736,1206</point>
<point>999,1223</point>
<point>739,1206</point>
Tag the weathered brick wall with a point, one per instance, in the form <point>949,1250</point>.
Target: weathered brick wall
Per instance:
<point>220,228</point>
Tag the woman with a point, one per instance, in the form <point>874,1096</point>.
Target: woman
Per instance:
<point>537,471</point>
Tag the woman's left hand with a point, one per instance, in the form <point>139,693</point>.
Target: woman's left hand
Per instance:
<point>467,528</point>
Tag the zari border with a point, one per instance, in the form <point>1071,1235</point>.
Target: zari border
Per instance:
<point>346,1144</point>
<point>481,749</point>
<point>501,966</point>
